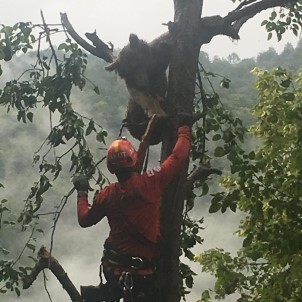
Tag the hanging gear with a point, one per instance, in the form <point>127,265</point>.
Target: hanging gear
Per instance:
<point>133,263</point>
<point>121,154</point>
<point>126,283</point>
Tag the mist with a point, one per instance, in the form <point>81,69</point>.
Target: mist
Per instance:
<point>79,250</point>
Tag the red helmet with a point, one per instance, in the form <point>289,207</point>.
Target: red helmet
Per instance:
<point>121,154</point>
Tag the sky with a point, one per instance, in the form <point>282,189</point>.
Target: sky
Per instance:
<point>114,20</point>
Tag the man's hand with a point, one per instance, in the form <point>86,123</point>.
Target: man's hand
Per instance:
<point>81,183</point>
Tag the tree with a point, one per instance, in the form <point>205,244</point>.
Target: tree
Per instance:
<point>187,33</point>
<point>268,57</point>
<point>233,58</point>
<point>265,185</point>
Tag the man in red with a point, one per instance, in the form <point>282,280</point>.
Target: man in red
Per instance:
<point>132,207</point>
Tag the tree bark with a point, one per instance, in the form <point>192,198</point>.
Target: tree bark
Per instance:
<point>182,74</point>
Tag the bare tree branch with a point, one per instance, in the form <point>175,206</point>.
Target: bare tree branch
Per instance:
<point>232,23</point>
<point>201,173</point>
<point>100,49</point>
<point>47,261</point>
<point>245,3</point>
<point>209,27</point>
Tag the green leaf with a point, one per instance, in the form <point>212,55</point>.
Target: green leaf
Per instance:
<point>216,137</point>
<point>272,119</point>
<point>205,189</point>
<point>31,246</point>
<point>219,152</point>
<point>189,281</point>
<point>30,116</point>
<point>247,241</point>
<point>233,206</point>
<point>286,83</point>
<point>90,127</point>
<point>96,90</point>
<point>21,115</point>
<point>288,96</point>
<point>252,155</point>
<point>8,285</point>
<point>62,46</point>
<point>215,207</point>
<point>17,291</point>
<point>100,137</point>
<point>273,15</point>
<point>264,22</point>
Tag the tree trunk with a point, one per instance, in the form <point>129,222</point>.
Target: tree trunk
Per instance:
<point>182,73</point>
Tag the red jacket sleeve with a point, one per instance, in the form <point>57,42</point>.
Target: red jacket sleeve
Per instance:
<point>164,174</point>
<point>89,215</point>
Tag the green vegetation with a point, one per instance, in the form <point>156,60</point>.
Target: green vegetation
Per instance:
<point>266,186</point>
<point>80,113</point>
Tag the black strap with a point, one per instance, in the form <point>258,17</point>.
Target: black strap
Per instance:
<point>116,258</point>
<point>127,283</point>
<point>146,160</point>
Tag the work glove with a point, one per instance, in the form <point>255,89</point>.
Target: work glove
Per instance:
<point>184,119</point>
<point>81,183</point>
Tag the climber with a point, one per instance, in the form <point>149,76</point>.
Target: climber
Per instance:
<point>132,207</point>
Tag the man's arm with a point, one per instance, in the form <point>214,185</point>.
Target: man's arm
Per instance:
<point>87,215</point>
<point>176,160</point>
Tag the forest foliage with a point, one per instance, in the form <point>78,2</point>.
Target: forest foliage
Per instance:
<point>83,112</point>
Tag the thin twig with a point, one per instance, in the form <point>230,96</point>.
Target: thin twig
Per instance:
<point>49,41</point>
<point>57,216</point>
<point>24,247</point>
<point>45,285</point>
<point>48,213</point>
<point>65,153</point>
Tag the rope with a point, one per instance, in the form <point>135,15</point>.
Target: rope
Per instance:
<point>146,160</point>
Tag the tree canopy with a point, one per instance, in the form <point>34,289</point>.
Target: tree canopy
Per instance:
<point>265,185</point>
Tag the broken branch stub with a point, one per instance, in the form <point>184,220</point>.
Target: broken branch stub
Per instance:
<point>98,49</point>
<point>47,261</point>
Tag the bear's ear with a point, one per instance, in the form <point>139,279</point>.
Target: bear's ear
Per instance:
<point>134,41</point>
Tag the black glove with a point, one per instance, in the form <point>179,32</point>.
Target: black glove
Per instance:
<point>81,183</point>
<point>184,119</point>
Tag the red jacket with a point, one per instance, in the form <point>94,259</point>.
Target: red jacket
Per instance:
<point>136,201</point>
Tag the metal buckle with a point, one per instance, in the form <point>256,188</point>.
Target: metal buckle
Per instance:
<point>128,282</point>
<point>140,264</point>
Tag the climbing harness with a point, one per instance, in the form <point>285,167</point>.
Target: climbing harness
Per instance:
<point>115,258</point>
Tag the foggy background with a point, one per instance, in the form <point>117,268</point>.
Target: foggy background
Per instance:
<point>79,250</point>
